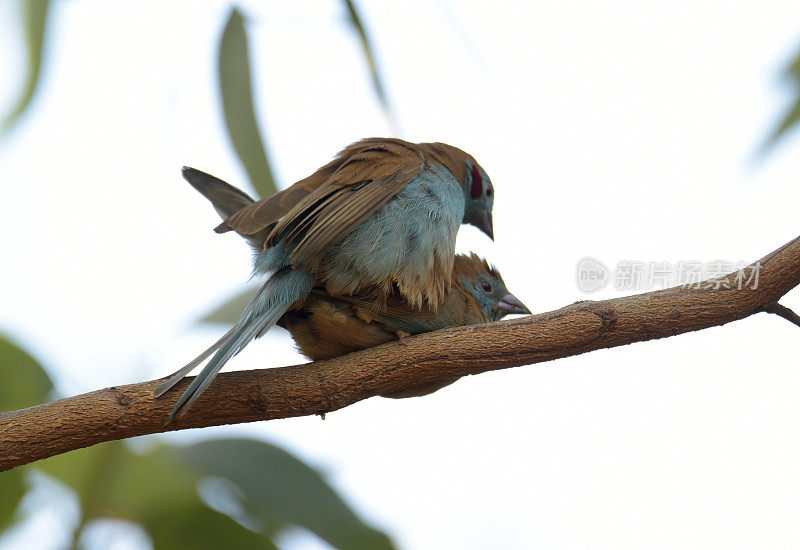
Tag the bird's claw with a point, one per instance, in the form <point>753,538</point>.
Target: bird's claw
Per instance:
<point>402,335</point>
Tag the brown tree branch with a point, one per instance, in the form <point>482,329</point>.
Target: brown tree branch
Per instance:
<point>315,388</point>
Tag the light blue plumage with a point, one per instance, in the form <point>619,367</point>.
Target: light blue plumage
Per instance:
<point>409,235</point>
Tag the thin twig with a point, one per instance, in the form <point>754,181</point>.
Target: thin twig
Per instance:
<point>782,311</point>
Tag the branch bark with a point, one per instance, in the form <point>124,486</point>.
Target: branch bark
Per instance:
<point>120,412</point>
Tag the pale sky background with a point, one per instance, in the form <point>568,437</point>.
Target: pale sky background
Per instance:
<point>618,130</point>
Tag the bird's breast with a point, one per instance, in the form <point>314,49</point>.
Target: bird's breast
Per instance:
<point>408,243</point>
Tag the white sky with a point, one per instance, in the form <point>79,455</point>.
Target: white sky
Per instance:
<point>619,130</point>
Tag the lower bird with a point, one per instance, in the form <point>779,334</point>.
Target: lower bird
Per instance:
<point>325,326</point>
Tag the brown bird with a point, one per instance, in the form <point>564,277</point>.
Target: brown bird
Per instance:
<point>381,217</point>
<point>325,326</point>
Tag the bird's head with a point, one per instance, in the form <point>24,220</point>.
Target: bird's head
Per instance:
<point>477,187</point>
<point>485,284</point>
<point>478,198</point>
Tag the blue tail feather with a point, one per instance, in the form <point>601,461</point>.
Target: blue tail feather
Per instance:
<point>180,374</point>
<point>268,305</point>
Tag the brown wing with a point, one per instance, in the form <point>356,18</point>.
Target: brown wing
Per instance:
<point>366,180</point>
<point>264,214</point>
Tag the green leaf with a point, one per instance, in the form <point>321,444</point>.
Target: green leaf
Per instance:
<point>200,527</point>
<point>88,472</point>
<point>229,312</point>
<point>23,382</point>
<point>366,45</point>
<point>34,19</point>
<point>237,102</point>
<point>158,491</point>
<point>154,489</point>
<point>792,116</point>
<point>12,489</point>
<point>275,484</point>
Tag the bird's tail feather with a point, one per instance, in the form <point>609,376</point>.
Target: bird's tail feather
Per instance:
<point>268,305</point>
<point>180,374</point>
<point>225,198</point>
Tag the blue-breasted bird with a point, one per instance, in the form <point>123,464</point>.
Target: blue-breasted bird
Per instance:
<point>325,326</point>
<point>383,216</point>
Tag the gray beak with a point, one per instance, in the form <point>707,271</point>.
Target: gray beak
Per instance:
<point>486,225</point>
<point>510,304</point>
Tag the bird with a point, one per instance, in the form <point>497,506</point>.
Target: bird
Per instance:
<point>382,215</point>
<point>325,326</point>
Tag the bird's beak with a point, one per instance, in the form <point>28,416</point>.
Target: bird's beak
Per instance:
<point>510,304</point>
<point>486,224</point>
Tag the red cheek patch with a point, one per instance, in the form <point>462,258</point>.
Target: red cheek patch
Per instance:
<point>477,183</point>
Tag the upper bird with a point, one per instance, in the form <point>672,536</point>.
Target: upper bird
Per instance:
<point>325,326</point>
<point>383,216</point>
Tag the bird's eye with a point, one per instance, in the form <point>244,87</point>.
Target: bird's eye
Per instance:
<point>488,191</point>
<point>487,287</point>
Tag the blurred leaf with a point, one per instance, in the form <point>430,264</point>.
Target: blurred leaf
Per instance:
<point>274,483</point>
<point>791,118</point>
<point>237,102</point>
<point>12,489</point>
<point>23,382</point>
<point>34,18</point>
<point>201,527</point>
<point>229,312</point>
<point>377,82</point>
<point>154,489</point>
<point>88,472</point>
<point>157,490</point>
